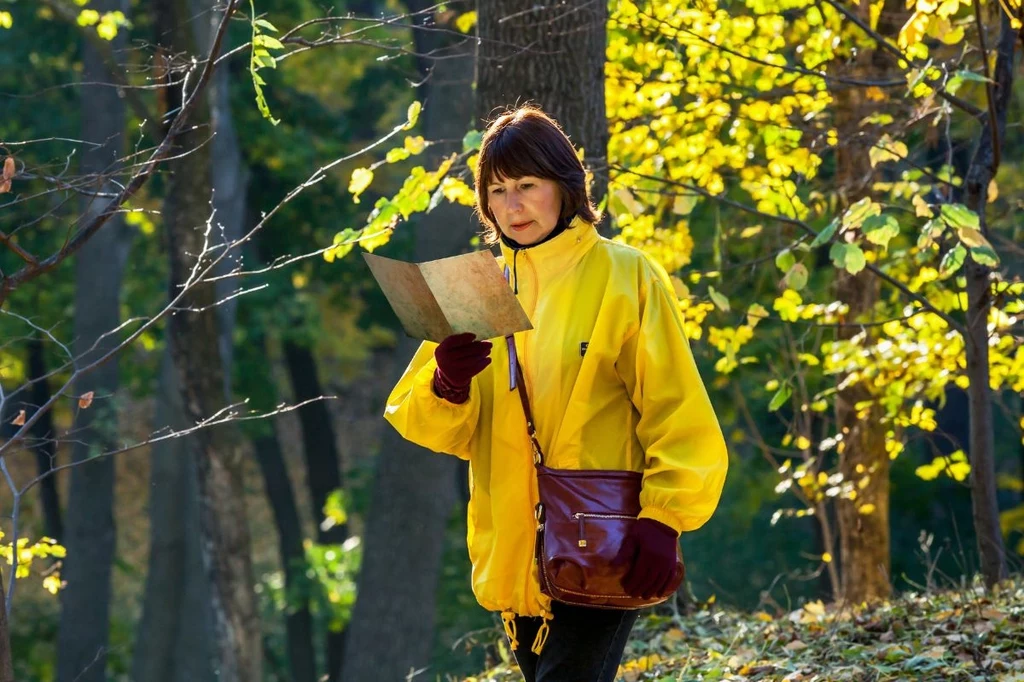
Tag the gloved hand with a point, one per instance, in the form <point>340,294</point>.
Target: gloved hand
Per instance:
<point>650,547</point>
<point>459,359</point>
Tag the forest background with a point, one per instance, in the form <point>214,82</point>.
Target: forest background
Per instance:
<point>196,477</point>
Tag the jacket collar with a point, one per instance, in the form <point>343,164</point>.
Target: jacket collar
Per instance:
<point>559,253</point>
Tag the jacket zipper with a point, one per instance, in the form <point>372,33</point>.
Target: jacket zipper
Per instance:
<point>582,516</point>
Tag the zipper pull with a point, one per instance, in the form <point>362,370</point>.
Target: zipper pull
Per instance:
<point>582,541</point>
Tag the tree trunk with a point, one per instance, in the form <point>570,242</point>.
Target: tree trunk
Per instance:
<point>90,533</point>
<point>177,623</point>
<point>6,660</point>
<point>194,339</point>
<point>299,622</point>
<point>323,464</point>
<point>864,539</point>
<point>45,443</point>
<point>981,451</point>
<point>176,628</point>
<point>551,54</point>
<point>392,628</point>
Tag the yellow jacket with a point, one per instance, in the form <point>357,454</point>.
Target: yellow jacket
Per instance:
<point>612,384</point>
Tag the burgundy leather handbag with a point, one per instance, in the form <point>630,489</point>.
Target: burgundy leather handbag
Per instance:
<point>582,519</point>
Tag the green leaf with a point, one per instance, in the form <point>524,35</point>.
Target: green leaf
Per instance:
<point>958,215</point>
<point>268,42</point>
<point>880,229</point>
<point>263,23</point>
<point>848,257</point>
<point>930,232</point>
<point>953,260</point>
<point>826,234</point>
<point>471,140</point>
<point>797,277</point>
<point>720,301</point>
<point>780,397</point>
<point>961,77</point>
<point>785,260</point>
<point>859,212</point>
<point>985,255</point>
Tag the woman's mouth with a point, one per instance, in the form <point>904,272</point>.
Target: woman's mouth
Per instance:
<point>521,226</point>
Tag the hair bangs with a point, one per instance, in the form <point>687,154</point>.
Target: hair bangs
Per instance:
<point>512,155</point>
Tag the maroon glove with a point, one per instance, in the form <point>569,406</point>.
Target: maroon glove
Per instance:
<point>650,547</point>
<point>459,359</point>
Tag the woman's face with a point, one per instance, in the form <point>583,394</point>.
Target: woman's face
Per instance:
<point>526,209</point>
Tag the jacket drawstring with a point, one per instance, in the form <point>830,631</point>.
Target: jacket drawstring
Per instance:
<point>542,634</point>
<point>508,620</point>
<point>515,272</point>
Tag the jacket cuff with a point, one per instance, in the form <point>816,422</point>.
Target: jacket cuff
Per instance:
<point>662,516</point>
<point>443,389</point>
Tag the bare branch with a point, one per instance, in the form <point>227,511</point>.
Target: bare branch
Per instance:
<point>223,416</point>
<point>163,150</point>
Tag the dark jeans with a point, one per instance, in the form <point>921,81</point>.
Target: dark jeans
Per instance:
<point>584,644</point>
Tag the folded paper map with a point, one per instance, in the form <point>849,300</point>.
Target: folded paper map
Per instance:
<point>436,299</point>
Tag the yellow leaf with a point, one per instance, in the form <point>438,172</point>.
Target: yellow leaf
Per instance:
<point>413,114</point>
<point>414,145</point>
<point>826,557</point>
<point>457,192</point>
<point>972,237</point>
<point>684,203</point>
<point>5,20</point>
<point>361,179</point>
<point>866,509</point>
<point>921,207</point>
<point>993,190</point>
<point>875,94</point>
<point>755,313</point>
<point>466,22</point>
<point>85,400</point>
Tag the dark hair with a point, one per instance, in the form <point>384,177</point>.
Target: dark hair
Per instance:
<point>526,141</point>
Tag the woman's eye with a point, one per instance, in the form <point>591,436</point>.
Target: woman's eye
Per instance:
<point>498,190</point>
<point>526,185</point>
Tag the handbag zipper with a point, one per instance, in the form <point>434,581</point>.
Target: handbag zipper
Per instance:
<point>582,516</point>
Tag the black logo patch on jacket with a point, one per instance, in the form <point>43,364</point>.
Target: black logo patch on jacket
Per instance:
<point>583,348</point>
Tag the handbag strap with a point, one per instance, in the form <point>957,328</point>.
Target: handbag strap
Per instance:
<point>515,371</point>
<point>538,454</point>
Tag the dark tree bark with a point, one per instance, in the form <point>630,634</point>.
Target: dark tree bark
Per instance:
<point>45,445</point>
<point>323,470</point>
<point>194,339</point>
<point>90,533</point>
<point>6,660</point>
<point>299,622</point>
<point>176,628</point>
<point>174,643</point>
<point>551,54</point>
<point>864,539</point>
<point>981,446</point>
<point>392,628</point>
<point>323,464</point>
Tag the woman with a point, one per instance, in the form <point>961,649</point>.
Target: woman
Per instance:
<point>612,384</point>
